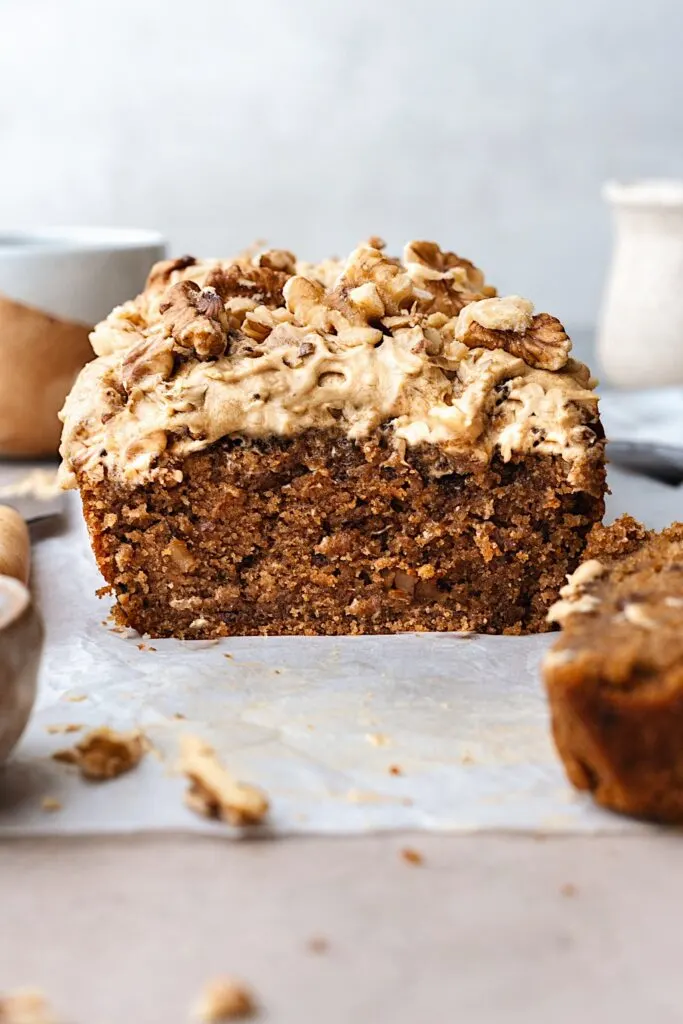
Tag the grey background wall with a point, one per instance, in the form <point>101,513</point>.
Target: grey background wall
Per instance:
<point>489,125</point>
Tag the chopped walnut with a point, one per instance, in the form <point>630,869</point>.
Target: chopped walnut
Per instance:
<point>278,259</point>
<point>393,288</point>
<point>27,1006</point>
<point>306,300</point>
<point>180,556</point>
<point>262,284</point>
<point>149,361</point>
<point>214,792</point>
<point>258,324</point>
<point>445,282</point>
<point>509,324</point>
<point>224,999</point>
<point>160,274</point>
<point>195,319</point>
<point>50,804</point>
<point>105,754</point>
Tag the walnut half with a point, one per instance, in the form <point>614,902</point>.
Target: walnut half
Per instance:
<point>195,319</point>
<point>509,324</point>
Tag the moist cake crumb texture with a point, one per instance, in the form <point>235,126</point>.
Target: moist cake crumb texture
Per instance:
<point>615,676</point>
<point>367,446</point>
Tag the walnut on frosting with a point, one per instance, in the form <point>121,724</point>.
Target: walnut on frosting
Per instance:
<point>149,361</point>
<point>509,324</point>
<point>265,345</point>
<point>445,282</point>
<point>195,319</point>
<point>160,275</point>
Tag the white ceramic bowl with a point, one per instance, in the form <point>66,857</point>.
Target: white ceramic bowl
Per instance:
<point>77,273</point>
<point>55,284</point>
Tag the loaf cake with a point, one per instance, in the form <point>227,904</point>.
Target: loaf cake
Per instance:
<point>615,676</point>
<point>265,446</point>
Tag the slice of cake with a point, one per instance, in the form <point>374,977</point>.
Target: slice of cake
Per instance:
<point>615,676</point>
<point>265,446</point>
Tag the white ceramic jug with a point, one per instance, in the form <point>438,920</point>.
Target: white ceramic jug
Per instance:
<point>640,337</point>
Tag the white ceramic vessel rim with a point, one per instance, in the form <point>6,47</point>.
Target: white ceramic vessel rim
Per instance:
<point>648,193</point>
<point>55,240</point>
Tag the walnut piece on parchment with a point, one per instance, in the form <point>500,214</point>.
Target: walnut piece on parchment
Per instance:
<point>105,754</point>
<point>224,999</point>
<point>25,1006</point>
<point>214,792</point>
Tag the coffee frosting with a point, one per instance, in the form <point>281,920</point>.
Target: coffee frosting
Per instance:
<point>265,346</point>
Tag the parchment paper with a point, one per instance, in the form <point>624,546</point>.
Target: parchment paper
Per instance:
<point>318,723</point>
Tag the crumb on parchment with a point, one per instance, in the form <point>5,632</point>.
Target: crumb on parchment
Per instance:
<point>214,792</point>
<point>51,803</point>
<point>318,944</point>
<point>224,999</point>
<point>57,727</point>
<point>377,739</point>
<point>411,856</point>
<point>25,1006</point>
<point>105,754</point>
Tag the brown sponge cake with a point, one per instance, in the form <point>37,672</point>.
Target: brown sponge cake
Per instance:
<point>265,446</point>
<point>615,676</point>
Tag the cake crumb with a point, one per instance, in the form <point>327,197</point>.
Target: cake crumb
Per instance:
<point>568,889</point>
<point>411,856</point>
<point>224,999</point>
<point>214,792</point>
<point>75,698</point>
<point>60,727</point>
<point>25,1006</point>
<point>318,944</point>
<point>395,769</point>
<point>51,803</point>
<point>38,483</point>
<point>378,739</point>
<point>179,716</point>
<point>105,754</point>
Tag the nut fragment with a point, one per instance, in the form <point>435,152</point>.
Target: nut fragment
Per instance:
<point>49,804</point>
<point>147,362</point>
<point>195,319</point>
<point>278,259</point>
<point>161,272</point>
<point>179,555</point>
<point>446,282</point>
<point>25,1006</point>
<point>105,754</point>
<point>224,999</point>
<point>509,324</point>
<point>214,792</point>
<point>393,288</point>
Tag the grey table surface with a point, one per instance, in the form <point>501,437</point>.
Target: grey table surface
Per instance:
<point>490,928</point>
